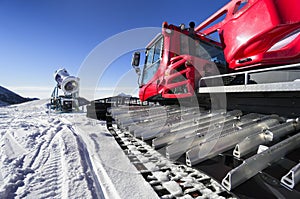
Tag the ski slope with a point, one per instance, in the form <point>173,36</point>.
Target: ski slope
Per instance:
<point>49,155</point>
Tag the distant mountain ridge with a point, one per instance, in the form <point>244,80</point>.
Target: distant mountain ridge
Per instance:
<point>8,97</point>
<point>124,95</point>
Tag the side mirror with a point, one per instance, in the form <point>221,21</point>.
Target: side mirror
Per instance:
<point>135,62</point>
<point>136,59</point>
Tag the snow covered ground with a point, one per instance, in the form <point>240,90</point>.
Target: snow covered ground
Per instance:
<point>49,155</point>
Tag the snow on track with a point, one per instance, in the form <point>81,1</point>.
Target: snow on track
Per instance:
<point>117,176</point>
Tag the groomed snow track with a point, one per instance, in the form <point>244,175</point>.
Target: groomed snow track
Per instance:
<point>187,152</point>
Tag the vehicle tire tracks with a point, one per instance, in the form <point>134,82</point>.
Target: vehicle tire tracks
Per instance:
<point>91,177</point>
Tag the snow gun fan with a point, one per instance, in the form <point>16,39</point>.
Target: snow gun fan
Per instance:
<point>68,84</point>
<point>70,87</point>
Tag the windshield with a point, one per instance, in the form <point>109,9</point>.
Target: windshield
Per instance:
<point>201,49</point>
<point>153,57</point>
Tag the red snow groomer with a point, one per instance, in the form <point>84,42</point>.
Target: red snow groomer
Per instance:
<point>242,68</point>
<point>243,35</point>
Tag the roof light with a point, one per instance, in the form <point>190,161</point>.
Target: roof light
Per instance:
<point>164,24</point>
<point>182,26</point>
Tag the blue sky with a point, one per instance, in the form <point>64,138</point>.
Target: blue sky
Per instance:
<point>39,36</point>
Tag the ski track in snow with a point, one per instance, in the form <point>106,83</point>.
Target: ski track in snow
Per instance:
<point>41,155</point>
<point>49,155</point>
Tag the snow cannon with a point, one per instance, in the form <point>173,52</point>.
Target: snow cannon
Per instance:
<point>70,87</point>
<point>68,84</point>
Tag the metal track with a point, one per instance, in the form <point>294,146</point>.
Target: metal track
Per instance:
<point>256,163</point>
<point>213,143</point>
<point>292,177</point>
<point>252,142</point>
<point>211,148</point>
<point>168,179</point>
